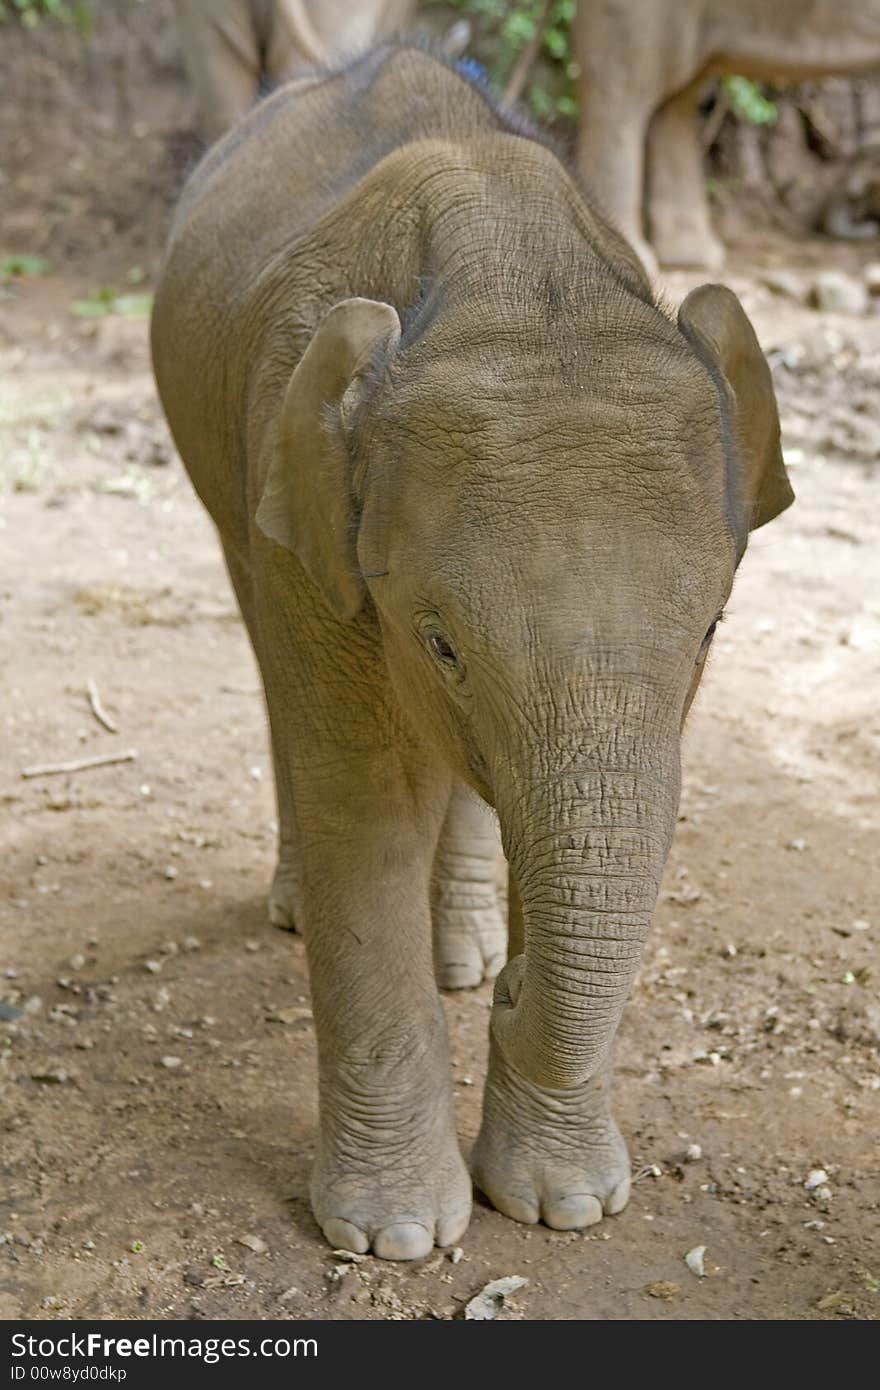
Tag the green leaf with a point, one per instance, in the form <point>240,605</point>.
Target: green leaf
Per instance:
<point>133,306</point>
<point>518,29</point>
<point>107,301</point>
<point>556,43</point>
<point>748,101</point>
<point>23,265</point>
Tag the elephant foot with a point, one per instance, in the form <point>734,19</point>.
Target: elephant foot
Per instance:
<point>399,1203</point>
<point>548,1155</point>
<point>284,909</point>
<point>470,944</point>
<point>689,249</point>
<point>645,253</point>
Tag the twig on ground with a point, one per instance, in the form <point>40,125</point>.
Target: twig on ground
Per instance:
<point>78,764</point>
<point>98,709</point>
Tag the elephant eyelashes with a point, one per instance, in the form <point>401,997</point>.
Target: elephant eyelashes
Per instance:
<point>441,649</point>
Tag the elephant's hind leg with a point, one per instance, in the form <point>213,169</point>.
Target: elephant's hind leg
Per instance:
<point>470,937</point>
<point>679,221</point>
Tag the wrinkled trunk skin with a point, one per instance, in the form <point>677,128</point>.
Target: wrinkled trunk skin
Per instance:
<point>588,858</point>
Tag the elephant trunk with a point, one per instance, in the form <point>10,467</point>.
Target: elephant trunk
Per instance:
<point>587,861</point>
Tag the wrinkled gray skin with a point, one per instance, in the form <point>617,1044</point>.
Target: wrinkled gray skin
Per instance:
<point>482,503</point>
<point>232,47</point>
<point>645,65</point>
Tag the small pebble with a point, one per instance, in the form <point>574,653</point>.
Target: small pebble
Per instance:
<point>289,1016</point>
<point>662,1288</point>
<point>835,292</point>
<point>817,1177</point>
<point>171,871</point>
<point>255,1243</point>
<point>170,1062</point>
<point>694,1259</point>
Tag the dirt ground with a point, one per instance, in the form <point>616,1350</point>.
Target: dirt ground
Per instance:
<point>157,1059</point>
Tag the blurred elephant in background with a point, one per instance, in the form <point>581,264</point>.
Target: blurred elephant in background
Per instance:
<point>643,70</point>
<point>231,48</point>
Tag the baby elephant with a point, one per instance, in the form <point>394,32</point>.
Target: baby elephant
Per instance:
<point>482,502</point>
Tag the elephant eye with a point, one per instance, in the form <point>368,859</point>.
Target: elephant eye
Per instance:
<point>441,648</point>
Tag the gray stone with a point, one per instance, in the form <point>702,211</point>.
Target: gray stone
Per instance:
<point>833,292</point>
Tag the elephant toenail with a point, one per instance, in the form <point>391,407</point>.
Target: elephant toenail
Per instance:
<point>342,1235</point>
<point>406,1240</point>
<point>619,1197</point>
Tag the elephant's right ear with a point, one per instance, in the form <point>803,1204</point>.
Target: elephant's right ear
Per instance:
<point>307,504</point>
<point>715,323</point>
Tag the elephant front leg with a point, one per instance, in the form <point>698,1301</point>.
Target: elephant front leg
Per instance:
<point>388,1173</point>
<point>611,161</point>
<point>555,1156</point>
<point>470,936</point>
<point>678,211</point>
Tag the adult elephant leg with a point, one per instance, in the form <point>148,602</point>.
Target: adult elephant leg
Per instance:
<point>369,807</point>
<point>469,931</point>
<point>221,51</point>
<point>611,161</point>
<point>679,223</point>
<point>284,894</point>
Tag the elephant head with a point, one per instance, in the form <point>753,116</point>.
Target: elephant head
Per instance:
<point>543,507</point>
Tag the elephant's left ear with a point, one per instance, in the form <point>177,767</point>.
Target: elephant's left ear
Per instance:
<point>714,322</point>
